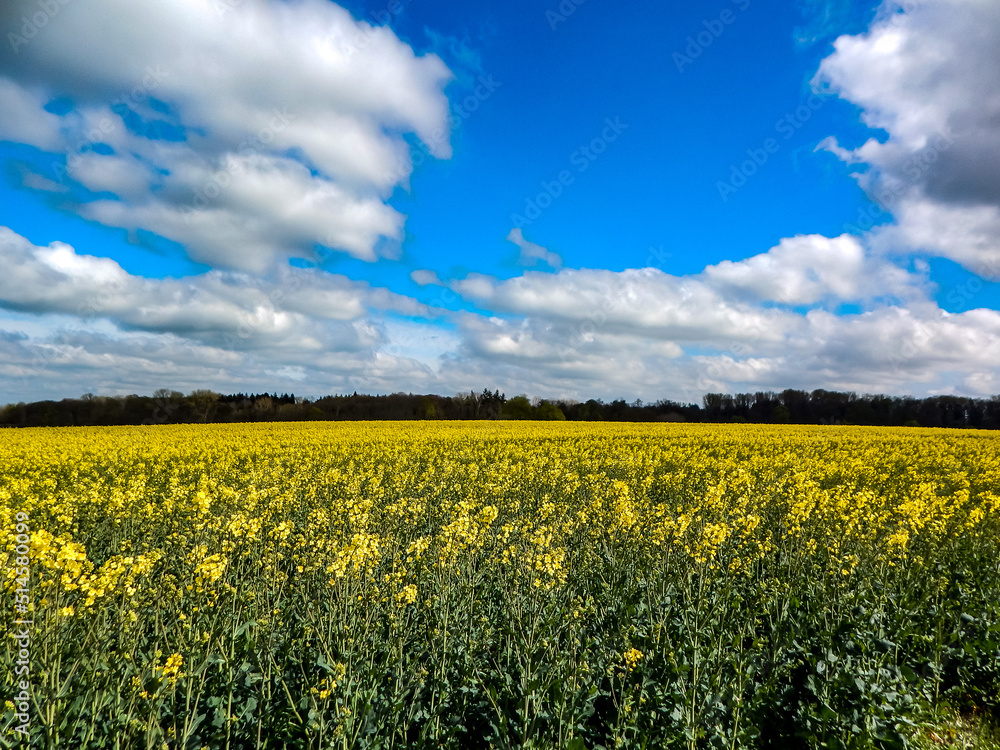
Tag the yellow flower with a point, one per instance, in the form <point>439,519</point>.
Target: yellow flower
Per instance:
<point>632,657</point>
<point>171,670</point>
<point>407,595</point>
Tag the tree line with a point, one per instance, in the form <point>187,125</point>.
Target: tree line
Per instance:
<point>787,407</point>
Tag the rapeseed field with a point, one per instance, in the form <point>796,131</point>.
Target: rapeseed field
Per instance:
<point>499,584</point>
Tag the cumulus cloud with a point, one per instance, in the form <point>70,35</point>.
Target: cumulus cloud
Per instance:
<point>735,326</point>
<point>888,350</point>
<point>247,132</point>
<point>304,311</point>
<point>71,323</point>
<point>808,269</point>
<point>721,303</point>
<point>638,301</point>
<point>929,76</point>
<point>67,319</point>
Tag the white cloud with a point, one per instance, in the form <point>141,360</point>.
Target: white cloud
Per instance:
<point>929,77</point>
<point>291,118</point>
<point>800,270</point>
<point>811,269</point>
<point>423,277</point>
<point>126,177</point>
<point>296,310</point>
<point>268,206</point>
<point>583,332</point>
<point>71,319</point>
<point>969,235</point>
<point>531,253</point>
<point>72,323</point>
<point>645,302</point>
<point>24,119</point>
<point>720,304</point>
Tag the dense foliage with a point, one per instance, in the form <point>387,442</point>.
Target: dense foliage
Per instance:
<point>765,407</point>
<point>503,584</point>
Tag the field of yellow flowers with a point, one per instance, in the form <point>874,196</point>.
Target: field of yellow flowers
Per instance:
<point>497,584</point>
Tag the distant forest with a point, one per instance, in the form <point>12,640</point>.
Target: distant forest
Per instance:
<point>787,407</point>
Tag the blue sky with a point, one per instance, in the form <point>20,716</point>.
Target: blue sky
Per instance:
<point>567,200</point>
